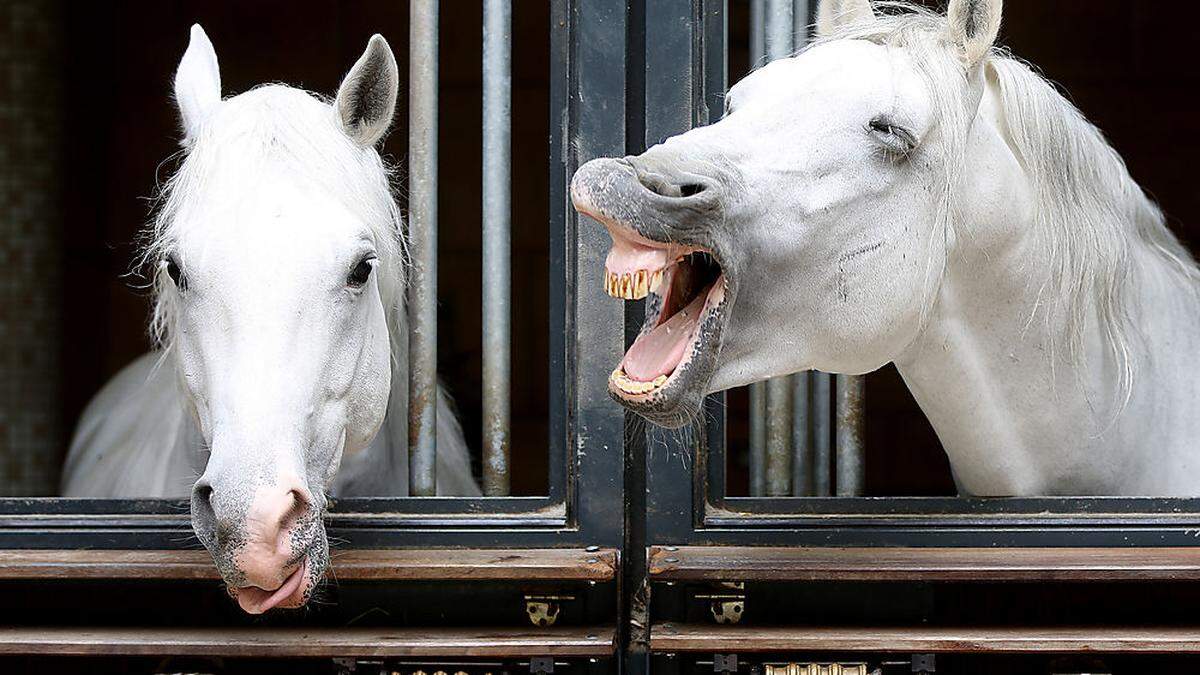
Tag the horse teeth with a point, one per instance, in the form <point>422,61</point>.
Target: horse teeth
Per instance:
<point>632,285</point>
<point>629,386</point>
<point>655,281</point>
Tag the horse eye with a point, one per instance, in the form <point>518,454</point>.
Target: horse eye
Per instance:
<point>361,273</point>
<point>176,274</point>
<point>896,138</point>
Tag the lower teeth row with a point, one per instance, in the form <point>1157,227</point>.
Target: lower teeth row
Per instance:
<point>633,386</point>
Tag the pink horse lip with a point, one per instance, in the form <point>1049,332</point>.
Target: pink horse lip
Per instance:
<point>256,600</point>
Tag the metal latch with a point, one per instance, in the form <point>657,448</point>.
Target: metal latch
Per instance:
<point>727,605</point>
<point>543,610</point>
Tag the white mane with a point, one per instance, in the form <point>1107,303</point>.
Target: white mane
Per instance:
<point>269,131</point>
<point>1091,213</point>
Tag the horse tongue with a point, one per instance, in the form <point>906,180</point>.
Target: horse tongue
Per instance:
<point>660,351</point>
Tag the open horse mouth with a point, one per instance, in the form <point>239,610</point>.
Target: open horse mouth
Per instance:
<point>664,374</point>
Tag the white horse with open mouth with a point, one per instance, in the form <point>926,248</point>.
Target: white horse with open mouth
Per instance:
<point>904,192</point>
<point>280,313</point>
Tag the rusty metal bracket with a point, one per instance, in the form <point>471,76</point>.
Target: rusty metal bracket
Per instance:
<point>727,605</point>
<point>543,610</point>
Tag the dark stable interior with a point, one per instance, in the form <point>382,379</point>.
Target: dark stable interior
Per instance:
<point>1119,61</point>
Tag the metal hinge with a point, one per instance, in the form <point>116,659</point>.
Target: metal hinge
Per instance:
<point>543,610</point>
<point>924,664</point>
<point>729,603</point>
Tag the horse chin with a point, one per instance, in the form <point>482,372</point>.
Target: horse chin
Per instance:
<point>298,586</point>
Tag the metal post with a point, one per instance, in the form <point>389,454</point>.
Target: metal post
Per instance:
<point>802,457</point>
<point>758,439</point>
<point>851,476</point>
<point>422,285</point>
<point>801,19</point>
<point>758,390</point>
<point>758,40</point>
<point>779,28</point>
<point>822,459</point>
<point>777,37</point>
<point>779,437</point>
<point>497,250</point>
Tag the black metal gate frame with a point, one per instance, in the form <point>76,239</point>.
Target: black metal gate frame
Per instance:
<point>627,74</point>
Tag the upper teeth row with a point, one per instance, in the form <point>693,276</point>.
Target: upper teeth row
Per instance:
<point>632,285</point>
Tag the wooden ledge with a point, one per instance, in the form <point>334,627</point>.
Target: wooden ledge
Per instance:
<point>552,564</point>
<point>301,642</point>
<point>713,563</point>
<point>744,639</point>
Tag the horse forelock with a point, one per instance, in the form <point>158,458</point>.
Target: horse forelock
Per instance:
<point>278,130</point>
<point>1091,216</point>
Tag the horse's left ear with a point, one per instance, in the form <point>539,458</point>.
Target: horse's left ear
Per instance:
<point>366,100</point>
<point>974,25</point>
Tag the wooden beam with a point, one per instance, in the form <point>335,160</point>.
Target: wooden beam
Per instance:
<point>374,564</point>
<point>744,639</point>
<point>704,563</point>
<point>310,642</point>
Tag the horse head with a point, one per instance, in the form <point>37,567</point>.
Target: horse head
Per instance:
<point>805,229</point>
<point>278,267</point>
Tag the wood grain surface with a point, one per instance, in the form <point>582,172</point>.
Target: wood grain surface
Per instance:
<point>700,563</point>
<point>392,564</point>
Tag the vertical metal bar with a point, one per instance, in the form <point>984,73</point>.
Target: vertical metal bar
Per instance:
<point>802,458</point>
<point>758,439</point>
<point>851,475</point>
<point>758,40</point>
<point>779,437</point>
<point>777,34</point>
<point>758,390</point>
<point>778,31</point>
<point>800,22</point>
<point>822,452</point>
<point>422,286</point>
<point>497,250</point>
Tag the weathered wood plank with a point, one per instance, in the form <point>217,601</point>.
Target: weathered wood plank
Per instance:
<point>305,642</point>
<point>700,563</point>
<point>713,638</point>
<point>390,564</point>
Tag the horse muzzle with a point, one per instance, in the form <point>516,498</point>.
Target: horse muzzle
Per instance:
<point>661,226</point>
<point>271,549</point>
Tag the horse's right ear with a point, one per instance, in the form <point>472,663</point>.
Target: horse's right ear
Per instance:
<point>366,100</point>
<point>835,14</point>
<point>197,83</point>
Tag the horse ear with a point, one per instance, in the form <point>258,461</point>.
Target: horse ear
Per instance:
<point>366,100</point>
<point>835,14</point>
<point>974,25</point>
<point>197,83</point>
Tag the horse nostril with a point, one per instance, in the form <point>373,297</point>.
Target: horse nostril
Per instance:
<point>203,515</point>
<point>661,186</point>
<point>300,508</point>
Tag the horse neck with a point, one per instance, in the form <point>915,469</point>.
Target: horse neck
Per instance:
<point>1019,411</point>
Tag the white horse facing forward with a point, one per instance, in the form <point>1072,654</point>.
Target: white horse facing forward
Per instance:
<point>279,309</point>
<point>904,192</point>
